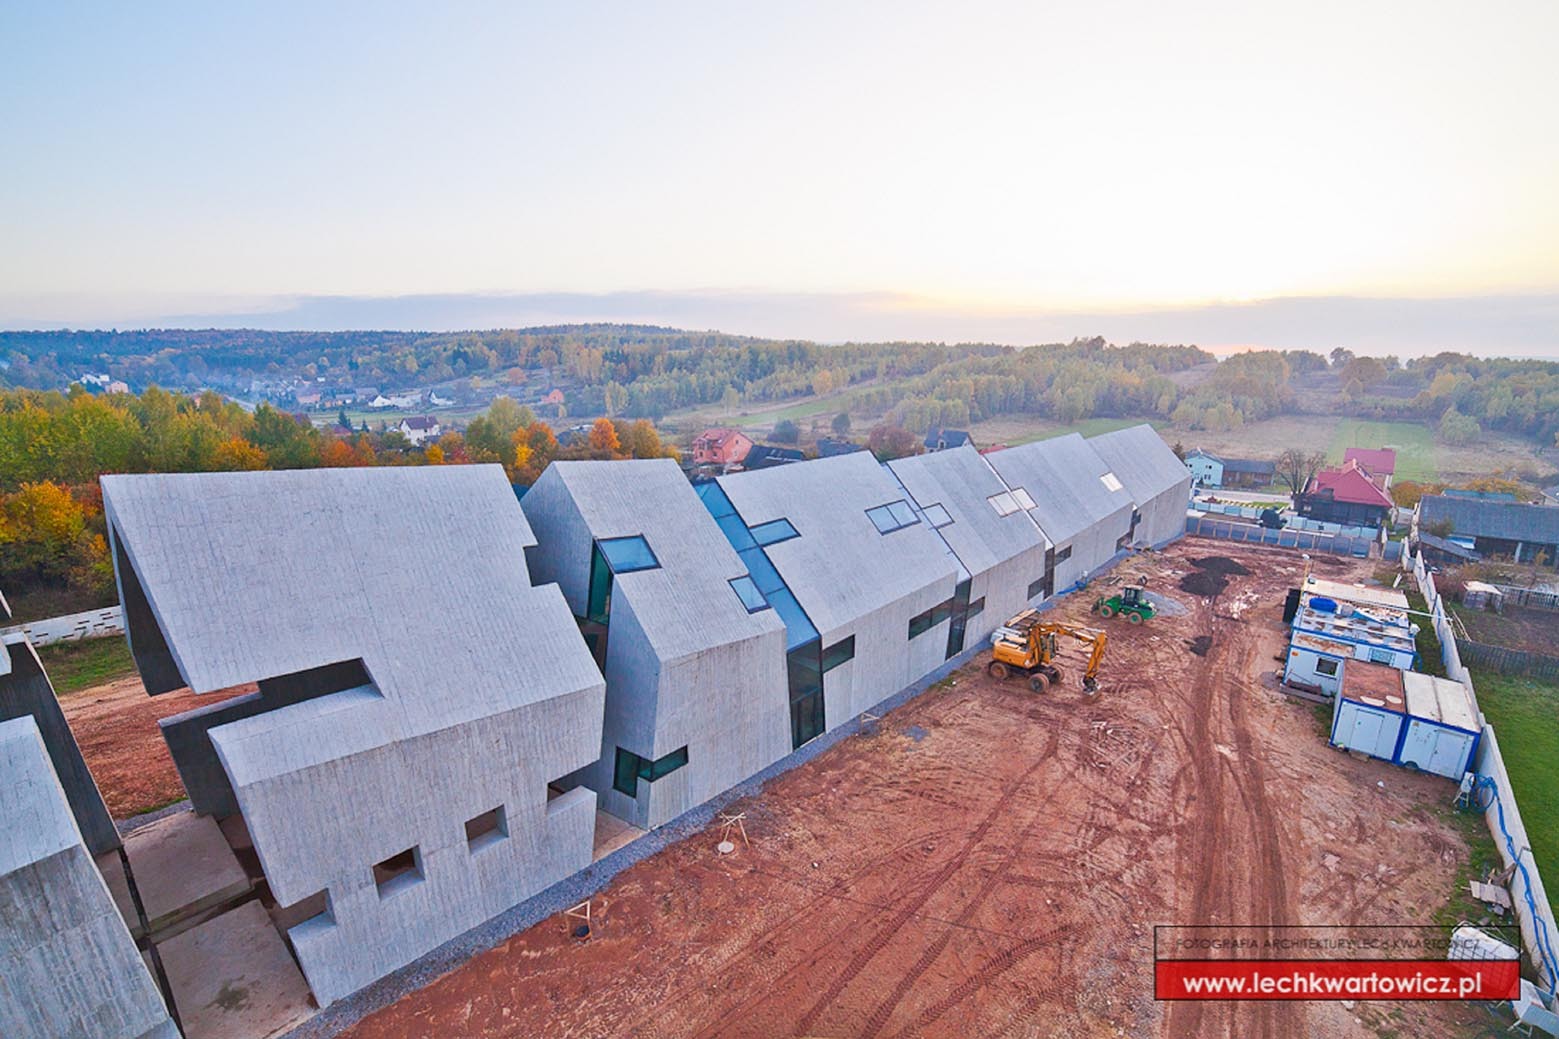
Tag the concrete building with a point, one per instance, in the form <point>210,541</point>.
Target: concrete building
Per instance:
<point>68,966</point>
<point>1000,550</point>
<point>1158,482</point>
<point>1079,503</point>
<point>692,651</point>
<point>25,692</point>
<point>865,588</point>
<point>1337,623</point>
<point>417,695</point>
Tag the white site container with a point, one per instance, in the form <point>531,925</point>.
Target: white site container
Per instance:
<point>1368,713</point>
<point>1442,726</point>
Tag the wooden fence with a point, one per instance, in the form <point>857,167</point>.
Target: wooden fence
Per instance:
<point>1508,661</point>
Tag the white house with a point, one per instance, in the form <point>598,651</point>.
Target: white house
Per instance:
<point>419,428</point>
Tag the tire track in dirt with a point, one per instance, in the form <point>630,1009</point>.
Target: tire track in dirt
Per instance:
<point>1231,811</point>
<point>886,932</point>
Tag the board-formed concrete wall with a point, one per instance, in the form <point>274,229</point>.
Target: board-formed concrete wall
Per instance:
<point>686,664</point>
<point>474,690</point>
<point>72,627</point>
<point>68,966</point>
<point>1158,482</point>
<point>25,692</point>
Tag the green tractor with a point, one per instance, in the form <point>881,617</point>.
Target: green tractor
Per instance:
<point>1130,602</point>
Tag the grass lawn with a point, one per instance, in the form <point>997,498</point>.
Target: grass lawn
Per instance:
<point>74,666</point>
<point>1415,446</point>
<point>1525,715</point>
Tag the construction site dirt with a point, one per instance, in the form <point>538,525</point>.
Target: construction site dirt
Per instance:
<point>115,725</point>
<point>988,861</point>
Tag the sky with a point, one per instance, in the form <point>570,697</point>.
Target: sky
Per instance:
<point>1382,173</point>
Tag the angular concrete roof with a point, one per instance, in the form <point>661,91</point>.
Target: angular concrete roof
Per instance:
<point>687,605</point>
<point>1063,476</point>
<point>256,575</point>
<point>34,815</point>
<point>961,481</point>
<point>1144,463</point>
<point>840,567</point>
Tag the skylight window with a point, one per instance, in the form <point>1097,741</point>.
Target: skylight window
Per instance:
<point>1004,503</point>
<point>1110,482</point>
<point>627,555</point>
<point>773,532</point>
<point>747,591</point>
<point>893,516</point>
<point>937,516</point>
<point>1021,496</point>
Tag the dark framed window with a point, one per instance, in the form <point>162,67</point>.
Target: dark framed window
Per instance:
<point>773,532</point>
<point>924,622</point>
<point>893,516</point>
<point>1035,587</point>
<point>627,555</point>
<point>937,516</point>
<point>630,768</point>
<point>838,653</point>
<point>1063,554</point>
<point>804,669</point>
<point>976,608</point>
<point>747,591</point>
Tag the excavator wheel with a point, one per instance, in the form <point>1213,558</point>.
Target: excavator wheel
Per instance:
<point>1055,674</point>
<point>1039,682</point>
<point>1106,610</point>
<point>997,670</point>
<point>1090,687</point>
<point>1134,617</point>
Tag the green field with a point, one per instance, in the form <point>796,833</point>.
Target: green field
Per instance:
<point>1414,444</point>
<point>1525,716</point>
<point>73,666</point>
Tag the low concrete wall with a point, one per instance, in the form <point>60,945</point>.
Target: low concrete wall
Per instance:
<point>91,624</point>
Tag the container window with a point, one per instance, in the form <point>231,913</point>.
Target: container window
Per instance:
<point>1326,666</point>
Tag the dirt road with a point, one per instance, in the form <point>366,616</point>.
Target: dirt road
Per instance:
<point>988,861</point>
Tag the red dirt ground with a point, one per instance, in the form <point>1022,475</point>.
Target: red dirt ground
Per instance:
<point>991,862</point>
<point>116,726</point>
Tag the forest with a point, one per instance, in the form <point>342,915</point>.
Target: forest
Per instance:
<point>53,447</point>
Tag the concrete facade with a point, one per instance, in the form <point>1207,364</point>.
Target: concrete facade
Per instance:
<point>25,692</point>
<point>1002,555</point>
<point>478,692</point>
<point>686,665</point>
<point>852,580</point>
<point>1080,504</point>
<point>68,966</point>
<point>1158,482</point>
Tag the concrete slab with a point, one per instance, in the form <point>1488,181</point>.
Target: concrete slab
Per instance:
<point>612,833</point>
<point>112,867</point>
<point>183,870</point>
<point>233,978</point>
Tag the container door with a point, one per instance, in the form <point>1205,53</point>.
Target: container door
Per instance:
<point>1449,756</point>
<point>1366,731</point>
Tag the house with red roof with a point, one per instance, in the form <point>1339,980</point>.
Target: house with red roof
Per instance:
<point>1345,495</point>
<point>721,446</point>
<point>1379,462</point>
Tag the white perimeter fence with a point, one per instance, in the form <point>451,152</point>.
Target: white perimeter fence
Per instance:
<point>1539,933</point>
<point>92,624</point>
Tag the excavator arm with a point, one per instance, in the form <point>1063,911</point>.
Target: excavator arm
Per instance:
<point>1089,636</point>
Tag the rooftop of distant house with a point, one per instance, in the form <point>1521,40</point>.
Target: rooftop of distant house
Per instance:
<point>1350,483</point>
<point>1377,461</point>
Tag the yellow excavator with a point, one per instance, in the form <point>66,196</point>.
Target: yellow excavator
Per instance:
<point>1027,644</point>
